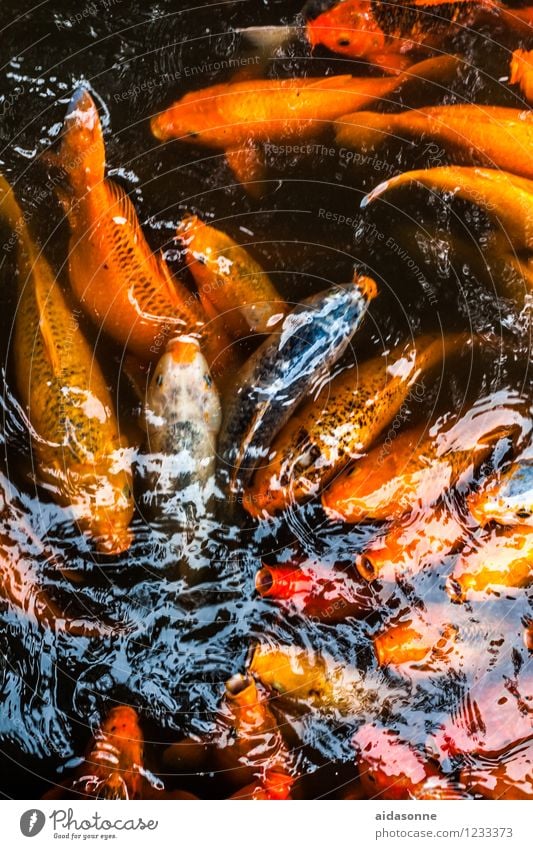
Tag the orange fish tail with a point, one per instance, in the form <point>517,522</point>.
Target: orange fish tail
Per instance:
<point>82,152</point>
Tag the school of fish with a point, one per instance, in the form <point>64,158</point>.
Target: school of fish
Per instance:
<point>253,405</point>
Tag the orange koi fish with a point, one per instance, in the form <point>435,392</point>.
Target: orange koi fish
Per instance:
<point>79,455</point>
<point>122,285</point>
<point>113,766</point>
<point>327,595</point>
<point>254,752</point>
<point>239,118</point>
<point>231,284</point>
<point>385,34</point>
<point>506,498</point>
<point>345,418</point>
<point>410,546</point>
<point>475,134</point>
<point>410,642</point>
<point>503,559</point>
<point>505,197</point>
<point>418,466</point>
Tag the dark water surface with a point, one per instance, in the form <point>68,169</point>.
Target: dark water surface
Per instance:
<point>179,634</point>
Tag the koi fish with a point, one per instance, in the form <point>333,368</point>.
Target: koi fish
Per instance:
<point>124,288</point>
<point>327,595</point>
<point>409,642</point>
<point>389,767</point>
<point>505,198</point>
<point>501,559</point>
<point>418,467</point>
<point>296,674</point>
<point>79,455</point>
<point>475,134</point>
<point>522,72</point>
<point>231,284</point>
<point>345,418</point>
<point>284,369</point>
<point>182,419</point>
<point>252,749</point>
<point>312,680</point>
<point>506,498</point>
<point>409,546</point>
<point>386,33</point>
<point>113,765</point>
<point>239,118</point>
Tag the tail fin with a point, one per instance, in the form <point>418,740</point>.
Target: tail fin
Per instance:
<point>10,211</point>
<point>82,152</point>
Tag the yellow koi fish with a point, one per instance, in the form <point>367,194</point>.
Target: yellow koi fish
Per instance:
<point>79,456</point>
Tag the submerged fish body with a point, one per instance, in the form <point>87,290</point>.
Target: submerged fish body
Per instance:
<point>80,457</point>
<point>230,282</point>
<point>507,498</point>
<point>418,467</point>
<point>114,761</point>
<point>182,420</point>
<point>477,134</point>
<point>254,753</point>
<point>501,559</point>
<point>125,289</point>
<point>409,546</point>
<point>237,118</point>
<point>283,370</point>
<point>326,433</point>
<point>507,200</point>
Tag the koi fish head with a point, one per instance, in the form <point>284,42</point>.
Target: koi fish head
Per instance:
<point>349,29</point>
<point>82,152</point>
<point>189,119</point>
<point>115,756</point>
<point>101,498</point>
<point>182,386</point>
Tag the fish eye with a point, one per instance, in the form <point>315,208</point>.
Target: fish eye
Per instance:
<point>159,380</point>
<point>523,514</point>
<point>126,491</point>
<point>208,379</point>
<point>343,42</point>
